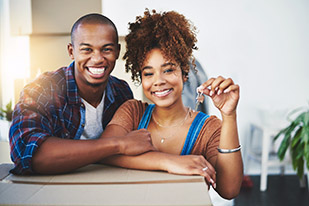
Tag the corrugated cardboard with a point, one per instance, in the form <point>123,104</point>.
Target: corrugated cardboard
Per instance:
<point>102,185</point>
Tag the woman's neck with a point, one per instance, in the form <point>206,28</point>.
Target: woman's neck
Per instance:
<point>170,116</point>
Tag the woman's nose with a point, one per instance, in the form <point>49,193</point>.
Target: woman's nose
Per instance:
<point>159,79</point>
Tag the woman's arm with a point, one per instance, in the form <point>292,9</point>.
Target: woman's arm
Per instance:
<point>154,160</point>
<point>229,166</point>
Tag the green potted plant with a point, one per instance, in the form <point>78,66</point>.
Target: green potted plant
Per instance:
<point>296,138</point>
<point>5,121</point>
<point>6,113</point>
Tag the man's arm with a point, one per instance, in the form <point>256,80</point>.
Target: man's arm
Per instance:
<point>154,160</point>
<point>57,155</point>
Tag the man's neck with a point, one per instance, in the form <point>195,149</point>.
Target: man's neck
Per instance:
<point>92,94</point>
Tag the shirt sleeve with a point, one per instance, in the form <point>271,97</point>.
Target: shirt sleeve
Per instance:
<point>129,115</point>
<point>30,127</point>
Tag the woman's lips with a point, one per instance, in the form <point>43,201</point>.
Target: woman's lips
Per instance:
<point>162,93</point>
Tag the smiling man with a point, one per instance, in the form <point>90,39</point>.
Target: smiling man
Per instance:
<point>59,120</point>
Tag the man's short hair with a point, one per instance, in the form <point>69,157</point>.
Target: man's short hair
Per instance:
<point>93,18</point>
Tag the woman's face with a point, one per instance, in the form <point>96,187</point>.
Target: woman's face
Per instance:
<point>162,79</point>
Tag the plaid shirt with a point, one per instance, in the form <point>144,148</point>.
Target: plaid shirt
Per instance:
<point>51,106</point>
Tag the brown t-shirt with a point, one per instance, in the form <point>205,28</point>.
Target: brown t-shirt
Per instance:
<point>130,113</point>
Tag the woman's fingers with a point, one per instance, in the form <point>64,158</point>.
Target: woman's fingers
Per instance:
<point>216,86</point>
<point>210,174</point>
<point>193,165</point>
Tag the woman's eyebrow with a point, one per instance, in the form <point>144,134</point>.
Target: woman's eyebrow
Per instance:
<point>168,64</point>
<point>146,67</point>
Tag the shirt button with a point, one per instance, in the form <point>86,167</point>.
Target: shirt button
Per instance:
<point>82,105</point>
<point>83,125</point>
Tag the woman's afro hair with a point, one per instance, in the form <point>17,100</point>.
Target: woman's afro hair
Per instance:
<point>169,31</point>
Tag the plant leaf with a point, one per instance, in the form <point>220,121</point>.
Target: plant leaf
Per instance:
<point>306,154</point>
<point>300,168</point>
<point>297,137</point>
<point>284,146</point>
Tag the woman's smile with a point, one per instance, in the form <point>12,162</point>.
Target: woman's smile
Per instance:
<point>162,93</point>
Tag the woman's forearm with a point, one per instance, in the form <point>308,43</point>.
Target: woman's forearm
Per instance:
<point>229,166</point>
<point>146,161</point>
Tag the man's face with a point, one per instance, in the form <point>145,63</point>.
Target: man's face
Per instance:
<point>95,50</point>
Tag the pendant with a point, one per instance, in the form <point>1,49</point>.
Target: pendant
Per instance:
<point>162,140</point>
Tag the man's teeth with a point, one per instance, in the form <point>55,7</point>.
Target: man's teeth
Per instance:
<point>162,92</point>
<point>96,70</point>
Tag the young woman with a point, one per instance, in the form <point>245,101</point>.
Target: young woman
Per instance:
<point>159,49</point>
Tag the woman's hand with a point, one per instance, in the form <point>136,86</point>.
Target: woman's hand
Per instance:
<point>192,165</point>
<point>223,92</point>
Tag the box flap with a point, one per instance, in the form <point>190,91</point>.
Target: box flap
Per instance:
<point>101,174</point>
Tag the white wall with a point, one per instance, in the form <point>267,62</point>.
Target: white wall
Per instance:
<point>262,44</point>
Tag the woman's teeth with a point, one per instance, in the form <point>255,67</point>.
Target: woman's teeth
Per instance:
<point>161,93</point>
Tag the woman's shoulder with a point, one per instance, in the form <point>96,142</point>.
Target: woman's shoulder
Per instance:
<point>134,103</point>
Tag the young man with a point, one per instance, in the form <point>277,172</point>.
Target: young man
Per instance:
<point>61,108</point>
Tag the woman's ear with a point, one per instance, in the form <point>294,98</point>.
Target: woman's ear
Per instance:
<point>185,78</point>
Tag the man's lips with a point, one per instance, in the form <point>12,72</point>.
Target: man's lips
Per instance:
<point>96,70</point>
<point>162,93</point>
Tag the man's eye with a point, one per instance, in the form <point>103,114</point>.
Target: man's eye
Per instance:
<point>86,49</point>
<point>107,49</point>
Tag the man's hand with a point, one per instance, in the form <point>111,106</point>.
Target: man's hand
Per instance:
<point>136,142</point>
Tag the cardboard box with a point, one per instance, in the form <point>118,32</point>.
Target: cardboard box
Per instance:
<point>104,185</point>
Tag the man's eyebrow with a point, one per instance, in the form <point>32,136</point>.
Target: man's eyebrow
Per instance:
<point>109,44</point>
<point>105,45</point>
<point>84,44</point>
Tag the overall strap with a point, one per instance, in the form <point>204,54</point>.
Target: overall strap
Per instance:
<point>194,131</point>
<point>146,117</point>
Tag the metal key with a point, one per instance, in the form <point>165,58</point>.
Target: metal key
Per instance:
<point>199,99</point>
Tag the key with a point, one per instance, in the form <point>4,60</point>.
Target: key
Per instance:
<point>199,99</point>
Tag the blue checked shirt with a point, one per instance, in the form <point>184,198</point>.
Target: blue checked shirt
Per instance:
<point>51,106</point>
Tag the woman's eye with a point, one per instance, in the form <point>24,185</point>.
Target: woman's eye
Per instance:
<point>169,70</point>
<point>147,74</point>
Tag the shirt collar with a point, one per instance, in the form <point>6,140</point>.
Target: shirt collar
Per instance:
<point>72,91</point>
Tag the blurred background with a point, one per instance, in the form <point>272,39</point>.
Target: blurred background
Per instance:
<point>262,44</point>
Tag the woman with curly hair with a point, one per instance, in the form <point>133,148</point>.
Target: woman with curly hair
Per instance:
<point>159,50</point>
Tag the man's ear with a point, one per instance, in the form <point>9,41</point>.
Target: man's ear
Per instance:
<point>185,78</point>
<point>70,51</point>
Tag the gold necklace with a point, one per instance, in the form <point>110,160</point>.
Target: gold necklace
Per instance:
<point>176,125</point>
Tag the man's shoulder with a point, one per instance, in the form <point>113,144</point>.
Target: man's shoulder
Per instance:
<point>120,86</point>
<point>116,81</point>
<point>48,82</point>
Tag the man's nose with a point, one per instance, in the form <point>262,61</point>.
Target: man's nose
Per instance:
<point>97,57</point>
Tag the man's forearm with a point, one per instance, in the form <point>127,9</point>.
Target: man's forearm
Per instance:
<point>57,155</point>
